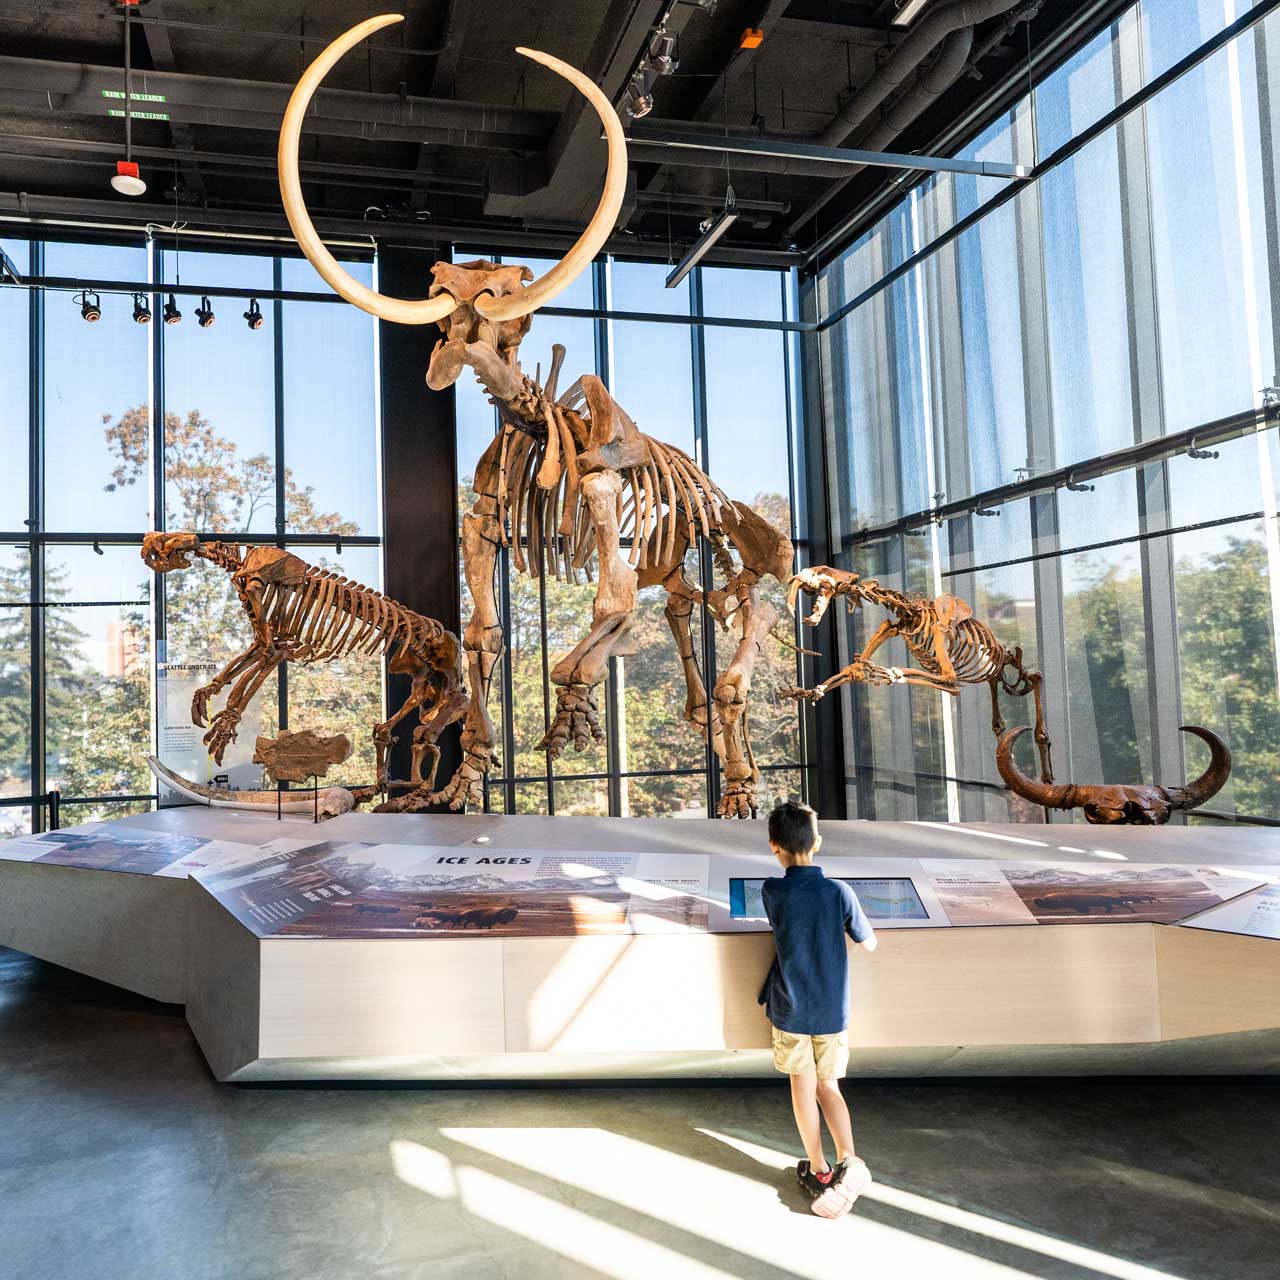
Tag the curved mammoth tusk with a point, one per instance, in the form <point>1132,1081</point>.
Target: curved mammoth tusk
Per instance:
<point>1049,795</point>
<point>598,230</point>
<point>1212,780</point>
<point>426,311</point>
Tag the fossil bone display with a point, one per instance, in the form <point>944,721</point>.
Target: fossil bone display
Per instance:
<point>950,646</point>
<point>328,802</point>
<point>1103,803</point>
<point>569,482</point>
<point>953,648</point>
<point>303,614</point>
<point>296,757</point>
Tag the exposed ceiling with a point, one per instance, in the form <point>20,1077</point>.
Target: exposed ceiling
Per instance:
<point>438,129</point>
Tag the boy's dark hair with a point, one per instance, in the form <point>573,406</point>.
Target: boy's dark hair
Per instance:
<point>793,827</point>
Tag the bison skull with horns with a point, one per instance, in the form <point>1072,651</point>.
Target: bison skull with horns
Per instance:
<point>1115,805</point>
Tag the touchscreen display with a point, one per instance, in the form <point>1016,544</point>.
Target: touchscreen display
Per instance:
<point>894,899</point>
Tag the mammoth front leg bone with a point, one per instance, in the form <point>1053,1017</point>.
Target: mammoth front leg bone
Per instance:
<point>576,675</point>
<point>482,644</point>
<point>757,618</point>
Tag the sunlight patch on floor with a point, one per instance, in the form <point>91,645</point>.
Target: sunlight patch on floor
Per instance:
<point>735,1211</point>
<point>1064,1251</point>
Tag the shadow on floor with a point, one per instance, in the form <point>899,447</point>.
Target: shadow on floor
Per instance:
<point>125,1158</point>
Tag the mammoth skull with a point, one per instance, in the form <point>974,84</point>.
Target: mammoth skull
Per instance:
<point>1107,804</point>
<point>494,306</point>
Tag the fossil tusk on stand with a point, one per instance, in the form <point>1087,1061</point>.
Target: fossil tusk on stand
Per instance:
<point>331,801</point>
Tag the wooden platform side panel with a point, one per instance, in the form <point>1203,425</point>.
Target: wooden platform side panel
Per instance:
<point>644,993</point>
<point>222,984</point>
<point>121,928</point>
<point>357,997</point>
<point>1042,985</point>
<point>1216,983</point>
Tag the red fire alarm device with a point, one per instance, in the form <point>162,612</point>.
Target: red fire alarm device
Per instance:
<point>752,38</point>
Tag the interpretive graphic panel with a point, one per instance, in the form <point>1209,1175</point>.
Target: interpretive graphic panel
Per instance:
<point>1256,915</point>
<point>881,899</point>
<point>1064,893</point>
<point>95,846</point>
<point>180,743</point>
<point>332,889</point>
<point>975,893</point>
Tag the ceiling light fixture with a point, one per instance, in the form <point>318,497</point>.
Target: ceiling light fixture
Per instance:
<point>712,229</point>
<point>253,317</point>
<point>90,306</point>
<point>141,309</point>
<point>126,179</point>
<point>638,101</point>
<point>907,13</point>
<point>204,312</point>
<point>171,313</point>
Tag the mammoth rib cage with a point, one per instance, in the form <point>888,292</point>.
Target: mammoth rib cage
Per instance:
<point>553,525</point>
<point>327,616</point>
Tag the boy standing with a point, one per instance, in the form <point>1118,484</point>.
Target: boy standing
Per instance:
<point>806,997</point>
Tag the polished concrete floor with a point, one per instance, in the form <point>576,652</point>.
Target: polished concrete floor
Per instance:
<point>121,1157</point>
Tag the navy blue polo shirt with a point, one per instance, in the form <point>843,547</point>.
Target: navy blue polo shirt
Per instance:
<point>807,990</point>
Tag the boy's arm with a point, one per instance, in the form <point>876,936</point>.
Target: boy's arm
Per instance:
<point>856,924</point>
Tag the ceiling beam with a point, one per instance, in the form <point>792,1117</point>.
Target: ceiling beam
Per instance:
<point>74,88</point>
<point>833,29</point>
<point>737,63</point>
<point>449,31</point>
<point>157,38</point>
<point>29,212</point>
<point>565,184</point>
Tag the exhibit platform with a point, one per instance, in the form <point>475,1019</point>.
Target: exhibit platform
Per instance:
<point>484,947</point>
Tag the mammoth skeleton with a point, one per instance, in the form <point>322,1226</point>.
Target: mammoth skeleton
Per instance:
<point>570,483</point>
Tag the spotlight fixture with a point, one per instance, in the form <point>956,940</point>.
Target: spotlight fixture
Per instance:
<point>141,309</point>
<point>662,54</point>
<point>171,313</point>
<point>90,307</point>
<point>253,317</point>
<point>908,12</point>
<point>712,229</point>
<point>204,312</point>
<point>638,101</point>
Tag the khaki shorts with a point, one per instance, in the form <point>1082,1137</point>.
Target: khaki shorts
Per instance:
<point>797,1055</point>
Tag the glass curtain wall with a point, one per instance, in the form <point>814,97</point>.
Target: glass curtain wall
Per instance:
<point>977,345</point>
<point>713,375</point>
<point>266,435</point>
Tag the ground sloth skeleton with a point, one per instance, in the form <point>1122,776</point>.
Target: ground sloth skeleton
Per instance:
<point>950,646</point>
<point>303,614</point>
<point>568,482</point>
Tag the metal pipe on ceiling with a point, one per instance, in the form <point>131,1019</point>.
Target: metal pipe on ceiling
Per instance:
<point>40,85</point>
<point>921,40</point>
<point>37,211</point>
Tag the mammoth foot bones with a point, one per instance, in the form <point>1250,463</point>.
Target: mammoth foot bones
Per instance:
<point>576,720</point>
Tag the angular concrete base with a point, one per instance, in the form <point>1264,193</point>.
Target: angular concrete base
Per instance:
<point>1100,999</point>
<point>128,930</point>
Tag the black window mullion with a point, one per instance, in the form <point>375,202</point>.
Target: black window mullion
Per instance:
<point>277,338</point>
<point>705,580</point>
<point>35,524</point>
